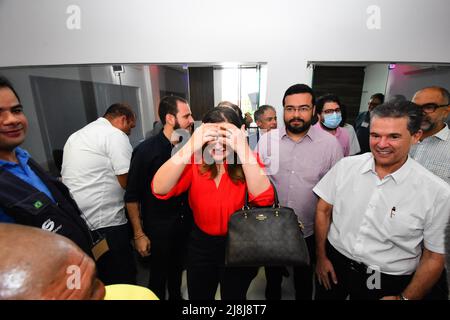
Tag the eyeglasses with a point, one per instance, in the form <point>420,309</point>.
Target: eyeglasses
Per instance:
<point>331,111</point>
<point>301,109</point>
<point>431,107</point>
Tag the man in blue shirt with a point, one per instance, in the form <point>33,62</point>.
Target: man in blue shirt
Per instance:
<point>22,170</point>
<point>27,194</point>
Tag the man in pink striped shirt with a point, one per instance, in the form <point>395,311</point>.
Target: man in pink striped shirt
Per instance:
<point>297,157</point>
<point>328,108</point>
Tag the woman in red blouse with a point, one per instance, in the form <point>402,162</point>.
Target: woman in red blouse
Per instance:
<point>217,167</point>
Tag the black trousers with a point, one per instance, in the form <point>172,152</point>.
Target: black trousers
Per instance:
<point>206,269</point>
<point>274,277</point>
<point>303,277</point>
<point>440,289</point>
<point>357,281</point>
<point>117,266</point>
<point>168,243</point>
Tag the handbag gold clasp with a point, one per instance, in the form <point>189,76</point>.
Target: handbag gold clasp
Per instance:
<point>261,217</point>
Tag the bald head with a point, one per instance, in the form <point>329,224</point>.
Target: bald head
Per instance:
<point>434,94</point>
<point>37,264</point>
<point>435,104</point>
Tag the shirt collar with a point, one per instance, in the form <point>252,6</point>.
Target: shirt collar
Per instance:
<point>164,139</point>
<point>22,157</point>
<point>338,132</point>
<point>443,134</point>
<point>398,176</point>
<point>338,129</point>
<point>104,120</point>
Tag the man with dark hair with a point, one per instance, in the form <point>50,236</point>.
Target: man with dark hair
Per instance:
<point>297,157</point>
<point>165,223</point>
<point>28,195</point>
<point>235,107</point>
<point>362,122</point>
<point>329,113</point>
<point>95,167</point>
<point>381,216</point>
<point>433,150</point>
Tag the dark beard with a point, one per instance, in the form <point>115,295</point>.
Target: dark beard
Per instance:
<point>300,129</point>
<point>430,126</point>
<point>189,130</point>
<point>177,125</point>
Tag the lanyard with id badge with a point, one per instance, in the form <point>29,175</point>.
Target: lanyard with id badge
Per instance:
<point>100,246</point>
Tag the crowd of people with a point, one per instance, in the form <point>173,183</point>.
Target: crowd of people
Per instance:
<point>374,199</point>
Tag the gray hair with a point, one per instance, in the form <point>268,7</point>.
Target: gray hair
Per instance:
<point>260,111</point>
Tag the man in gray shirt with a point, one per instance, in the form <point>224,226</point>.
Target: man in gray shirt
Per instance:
<point>297,157</point>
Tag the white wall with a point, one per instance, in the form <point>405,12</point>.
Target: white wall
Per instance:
<point>284,33</point>
<point>136,76</point>
<point>401,81</point>
<point>375,80</point>
<point>20,77</point>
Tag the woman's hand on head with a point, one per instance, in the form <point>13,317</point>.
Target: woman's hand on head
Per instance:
<point>233,137</point>
<point>205,133</point>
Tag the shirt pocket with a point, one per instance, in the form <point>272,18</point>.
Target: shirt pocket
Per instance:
<point>34,204</point>
<point>403,225</point>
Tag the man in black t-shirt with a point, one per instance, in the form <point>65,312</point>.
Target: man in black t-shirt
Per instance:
<point>165,224</point>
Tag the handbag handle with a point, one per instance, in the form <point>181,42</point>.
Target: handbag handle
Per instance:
<point>276,203</point>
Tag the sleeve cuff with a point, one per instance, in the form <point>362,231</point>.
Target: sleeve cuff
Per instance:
<point>321,195</point>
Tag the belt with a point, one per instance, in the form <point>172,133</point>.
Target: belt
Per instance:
<point>358,267</point>
<point>353,265</point>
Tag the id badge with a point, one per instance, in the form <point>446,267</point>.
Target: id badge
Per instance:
<point>365,124</point>
<point>100,248</point>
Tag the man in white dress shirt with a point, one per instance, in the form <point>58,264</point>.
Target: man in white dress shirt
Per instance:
<point>381,216</point>
<point>95,168</point>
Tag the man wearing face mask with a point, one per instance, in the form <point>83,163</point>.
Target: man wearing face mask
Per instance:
<point>297,157</point>
<point>328,108</point>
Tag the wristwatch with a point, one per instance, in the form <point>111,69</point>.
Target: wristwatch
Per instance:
<point>402,297</point>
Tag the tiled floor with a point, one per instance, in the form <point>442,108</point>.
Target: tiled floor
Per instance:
<point>255,292</point>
